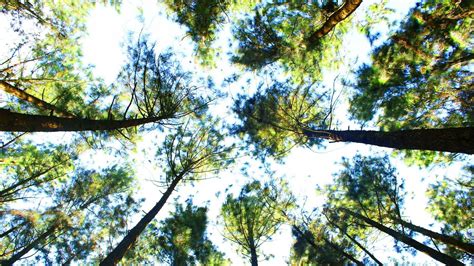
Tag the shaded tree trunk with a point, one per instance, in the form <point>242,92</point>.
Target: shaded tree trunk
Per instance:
<point>467,247</point>
<point>356,242</point>
<point>339,15</point>
<point>11,121</point>
<point>347,255</point>
<point>21,94</point>
<point>332,245</point>
<point>253,256</point>
<point>15,257</point>
<point>119,251</point>
<point>460,140</point>
<point>441,257</point>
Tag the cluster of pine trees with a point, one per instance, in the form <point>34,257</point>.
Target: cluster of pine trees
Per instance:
<point>416,95</point>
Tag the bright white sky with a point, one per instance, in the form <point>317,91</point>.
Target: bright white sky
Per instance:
<point>303,169</point>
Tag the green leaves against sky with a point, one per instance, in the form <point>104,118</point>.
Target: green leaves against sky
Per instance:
<point>210,121</point>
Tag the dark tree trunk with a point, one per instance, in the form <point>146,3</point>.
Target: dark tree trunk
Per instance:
<point>347,255</point>
<point>119,251</point>
<point>372,256</point>
<point>467,247</point>
<point>460,140</point>
<point>10,121</point>
<point>441,257</point>
<point>339,15</point>
<point>14,228</point>
<point>15,257</point>
<point>20,94</point>
<point>7,191</point>
<point>335,247</point>
<point>253,256</point>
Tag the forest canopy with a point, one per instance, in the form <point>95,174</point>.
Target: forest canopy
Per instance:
<point>203,132</point>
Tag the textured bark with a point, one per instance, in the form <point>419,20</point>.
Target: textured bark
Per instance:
<point>21,94</point>
<point>460,140</point>
<point>10,121</point>
<point>441,257</point>
<point>339,15</point>
<point>469,248</point>
<point>119,251</point>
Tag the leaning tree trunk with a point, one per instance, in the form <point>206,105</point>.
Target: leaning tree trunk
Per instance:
<point>460,140</point>
<point>332,245</point>
<point>15,257</point>
<point>469,248</point>
<point>441,257</point>
<point>119,251</point>
<point>21,94</point>
<point>339,15</point>
<point>11,121</point>
<point>372,256</point>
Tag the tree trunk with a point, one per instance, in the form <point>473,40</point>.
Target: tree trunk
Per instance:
<point>10,121</point>
<point>467,247</point>
<point>20,94</point>
<point>347,255</point>
<point>253,256</point>
<point>7,191</point>
<point>119,251</point>
<point>460,140</point>
<point>339,15</point>
<point>441,257</point>
<point>15,257</point>
<point>372,256</point>
<point>335,247</point>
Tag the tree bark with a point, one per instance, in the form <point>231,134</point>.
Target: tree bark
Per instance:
<point>441,257</point>
<point>459,140</point>
<point>467,247</point>
<point>11,122</point>
<point>339,15</point>
<point>119,251</point>
<point>21,94</point>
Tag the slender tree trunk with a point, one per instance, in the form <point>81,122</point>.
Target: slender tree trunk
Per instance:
<point>460,140</point>
<point>7,191</point>
<point>10,121</point>
<point>441,257</point>
<point>467,247</point>
<point>335,247</point>
<point>4,234</point>
<point>253,256</point>
<point>339,15</point>
<point>20,94</point>
<point>356,242</point>
<point>119,251</point>
<point>347,255</point>
<point>15,257</point>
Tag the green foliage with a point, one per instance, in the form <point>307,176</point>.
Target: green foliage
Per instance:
<point>450,202</point>
<point>313,247</point>
<point>420,77</point>
<point>251,218</point>
<point>182,240</point>
<point>273,119</point>
<point>279,31</point>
